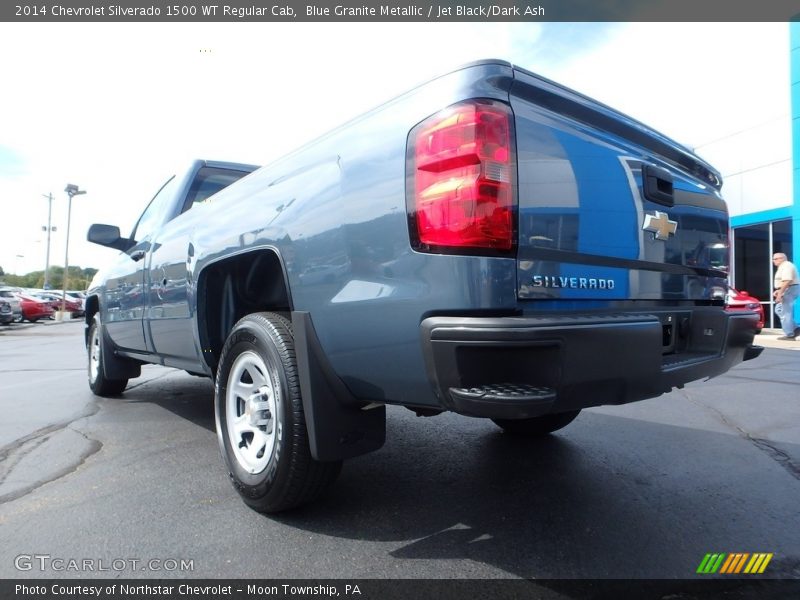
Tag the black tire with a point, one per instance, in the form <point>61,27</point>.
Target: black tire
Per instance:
<point>260,421</point>
<point>95,350</point>
<point>537,426</point>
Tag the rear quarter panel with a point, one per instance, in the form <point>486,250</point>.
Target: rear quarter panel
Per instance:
<point>336,212</point>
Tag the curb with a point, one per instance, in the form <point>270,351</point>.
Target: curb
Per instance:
<point>769,339</point>
<point>14,327</point>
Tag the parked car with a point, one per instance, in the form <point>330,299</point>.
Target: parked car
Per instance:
<point>70,305</point>
<point>34,308</point>
<point>10,295</point>
<point>38,295</point>
<point>79,297</point>
<point>6,314</point>
<point>741,300</point>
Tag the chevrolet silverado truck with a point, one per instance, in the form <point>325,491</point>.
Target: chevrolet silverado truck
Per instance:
<point>491,243</point>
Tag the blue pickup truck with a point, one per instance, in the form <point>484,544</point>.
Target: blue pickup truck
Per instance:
<point>490,243</point>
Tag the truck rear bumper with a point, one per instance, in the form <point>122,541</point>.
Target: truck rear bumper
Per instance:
<point>522,367</point>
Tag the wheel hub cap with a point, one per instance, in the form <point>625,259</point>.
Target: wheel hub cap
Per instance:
<point>251,410</point>
<point>94,355</point>
<point>256,408</point>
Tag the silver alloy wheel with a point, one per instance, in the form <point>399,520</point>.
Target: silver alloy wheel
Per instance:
<point>251,412</point>
<point>94,354</point>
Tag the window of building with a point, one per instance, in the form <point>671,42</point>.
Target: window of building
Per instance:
<point>753,269</point>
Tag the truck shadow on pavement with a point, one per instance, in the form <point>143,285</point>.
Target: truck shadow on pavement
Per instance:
<point>188,397</point>
<point>607,497</point>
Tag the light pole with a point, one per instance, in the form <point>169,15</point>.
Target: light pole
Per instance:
<point>46,284</point>
<point>72,190</point>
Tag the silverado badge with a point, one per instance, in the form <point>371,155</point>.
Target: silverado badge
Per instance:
<point>660,224</point>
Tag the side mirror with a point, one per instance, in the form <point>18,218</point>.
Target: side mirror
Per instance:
<point>109,236</point>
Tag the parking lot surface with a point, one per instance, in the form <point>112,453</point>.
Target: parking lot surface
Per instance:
<point>638,491</point>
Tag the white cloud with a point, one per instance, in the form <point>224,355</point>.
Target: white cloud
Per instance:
<point>114,107</point>
<point>111,107</point>
<point>695,82</point>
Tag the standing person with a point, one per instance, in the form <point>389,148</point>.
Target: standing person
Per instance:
<point>787,286</point>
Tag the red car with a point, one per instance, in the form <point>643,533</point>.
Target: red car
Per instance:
<point>737,300</point>
<point>34,309</point>
<point>70,305</point>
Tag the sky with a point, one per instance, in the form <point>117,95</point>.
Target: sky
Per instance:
<point>117,108</point>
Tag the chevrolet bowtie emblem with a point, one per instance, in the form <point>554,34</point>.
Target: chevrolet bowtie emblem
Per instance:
<point>660,224</point>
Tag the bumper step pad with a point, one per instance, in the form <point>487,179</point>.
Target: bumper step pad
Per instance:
<point>505,392</point>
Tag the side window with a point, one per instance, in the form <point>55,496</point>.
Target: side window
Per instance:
<point>208,182</point>
<point>153,215</point>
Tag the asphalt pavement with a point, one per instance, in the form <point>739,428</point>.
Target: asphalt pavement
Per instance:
<point>637,491</point>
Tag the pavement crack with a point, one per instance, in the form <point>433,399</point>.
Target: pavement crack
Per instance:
<point>93,448</point>
<point>14,454</point>
<point>91,410</point>
<point>9,461</point>
<point>760,379</point>
<point>779,456</point>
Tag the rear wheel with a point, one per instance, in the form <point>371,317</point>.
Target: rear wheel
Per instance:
<point>97,347</point>
<point>260,420</point>
<point>537,426</point>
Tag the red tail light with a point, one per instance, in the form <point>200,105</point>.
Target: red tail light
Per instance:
<point>461,164</point>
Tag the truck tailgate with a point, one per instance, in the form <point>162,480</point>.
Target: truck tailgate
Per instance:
<point>609,209</point>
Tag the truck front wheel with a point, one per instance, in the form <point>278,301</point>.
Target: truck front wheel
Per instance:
<point>537,426</point>
<point>260,420</point>
<point>96,350</point>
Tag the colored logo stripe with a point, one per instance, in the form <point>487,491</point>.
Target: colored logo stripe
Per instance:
<point>731,564</point>
<point>758,563</point>
<point>711,563</point>
<point>735,563</point>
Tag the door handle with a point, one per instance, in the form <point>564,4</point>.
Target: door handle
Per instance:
<point>138,255</point>
<point>657,184</point>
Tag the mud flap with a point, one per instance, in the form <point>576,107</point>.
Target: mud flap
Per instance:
<point>116,367</point>
<point>339,425</point>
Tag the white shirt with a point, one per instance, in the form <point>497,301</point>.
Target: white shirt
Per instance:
<point>786,272</point>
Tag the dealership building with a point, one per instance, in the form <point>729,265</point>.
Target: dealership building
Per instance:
<point>760,167</point>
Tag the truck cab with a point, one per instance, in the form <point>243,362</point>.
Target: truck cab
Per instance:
<point>146,290</point>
